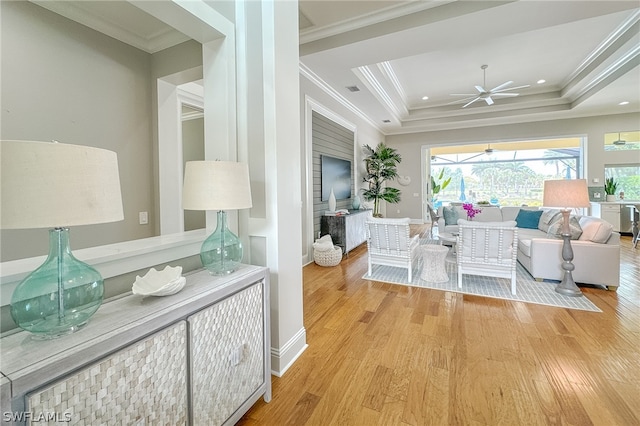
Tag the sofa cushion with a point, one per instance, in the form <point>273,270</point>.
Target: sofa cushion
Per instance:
<point>450,215</point>
<point>595,229</point>
<point>525,235</point>
<point>488,214</point>
<point>547,218</point>
<point>555,228</point>
<point>528,219</point>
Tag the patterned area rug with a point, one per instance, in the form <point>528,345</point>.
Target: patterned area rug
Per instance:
<point>528,290</point>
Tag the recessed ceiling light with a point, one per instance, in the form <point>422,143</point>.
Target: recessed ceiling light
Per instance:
<point>541,81</point>
<point>424,98</point>
<point>624,103</point>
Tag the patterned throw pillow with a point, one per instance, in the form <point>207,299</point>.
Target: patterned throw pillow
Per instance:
<point>555,228</point>
<point>547,218</point>
<point>450,215</point>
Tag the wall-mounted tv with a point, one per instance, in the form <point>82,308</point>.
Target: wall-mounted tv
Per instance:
<point>336,174</point>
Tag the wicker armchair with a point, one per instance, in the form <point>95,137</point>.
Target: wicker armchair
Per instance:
<point>488,249</point>
<point>389,243</point>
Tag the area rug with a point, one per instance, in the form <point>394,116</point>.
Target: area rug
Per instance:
<point>528,289</point>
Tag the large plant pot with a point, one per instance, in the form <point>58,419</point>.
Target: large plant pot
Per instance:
<point>611,197</point>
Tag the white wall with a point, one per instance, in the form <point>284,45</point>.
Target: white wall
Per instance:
<point>594,128</point>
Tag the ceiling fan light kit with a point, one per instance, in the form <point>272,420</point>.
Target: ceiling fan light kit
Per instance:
<point>487,95</point>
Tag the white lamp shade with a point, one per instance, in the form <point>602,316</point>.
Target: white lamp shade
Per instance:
<point>216,185</point>
<point>47,184</point>
<point>565,193</point>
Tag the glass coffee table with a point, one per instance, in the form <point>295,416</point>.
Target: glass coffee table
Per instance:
<point>452,239</point>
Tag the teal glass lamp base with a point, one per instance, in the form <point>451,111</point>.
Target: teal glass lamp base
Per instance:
<point>221,252</point>
<point>60,296</point>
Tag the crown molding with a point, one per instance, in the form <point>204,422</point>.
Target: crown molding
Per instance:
<point>156,42</point>
<point>375,17</point>
<point>313,77</point>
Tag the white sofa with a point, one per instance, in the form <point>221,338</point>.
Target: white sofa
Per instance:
<point>596,251</point>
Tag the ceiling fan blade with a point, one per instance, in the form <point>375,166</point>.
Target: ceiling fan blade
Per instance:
<point>469,103</point>
<point>505,94</point>
<point>460,101</point>
<point>510,88</point>
<point>480,89</point>
<point>500,87</point>
<point>488,100</point>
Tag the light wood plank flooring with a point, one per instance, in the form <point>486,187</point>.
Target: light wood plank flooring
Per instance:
<point>382,354</point>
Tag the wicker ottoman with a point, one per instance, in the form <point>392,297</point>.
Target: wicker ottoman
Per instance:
<point>433,266</point>
<point>329,257</point>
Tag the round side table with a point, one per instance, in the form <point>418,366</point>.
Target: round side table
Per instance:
<point>433,267</point>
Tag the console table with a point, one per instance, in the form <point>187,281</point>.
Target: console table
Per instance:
<point>347,231</point>
<point>201,356</point>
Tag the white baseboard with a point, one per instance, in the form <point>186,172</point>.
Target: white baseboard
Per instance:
<point>284,357</point>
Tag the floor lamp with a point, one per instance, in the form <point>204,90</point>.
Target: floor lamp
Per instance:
<point>222,186</point>
<point>566,193</point>
<point>55,185</point>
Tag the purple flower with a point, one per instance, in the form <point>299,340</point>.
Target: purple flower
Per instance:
<point>471,212</point>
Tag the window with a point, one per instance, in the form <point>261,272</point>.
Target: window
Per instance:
<point>622,141</point>
<point>505,174</point>
<point>628,179</point>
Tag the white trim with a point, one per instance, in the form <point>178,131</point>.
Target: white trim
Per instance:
<point>375,17</point>
<point>283,358</point>
<point>315,79</point>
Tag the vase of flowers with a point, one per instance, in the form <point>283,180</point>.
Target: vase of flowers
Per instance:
<point>471,211</point>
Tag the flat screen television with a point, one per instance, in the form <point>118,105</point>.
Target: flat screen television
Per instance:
<point>336,174</point>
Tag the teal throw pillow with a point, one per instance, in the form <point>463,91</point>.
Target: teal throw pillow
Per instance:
<point>528,219</point>
<point>450,215</point>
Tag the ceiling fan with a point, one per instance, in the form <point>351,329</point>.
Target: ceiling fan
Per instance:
<point>487,95</point>
<point>619,141</point>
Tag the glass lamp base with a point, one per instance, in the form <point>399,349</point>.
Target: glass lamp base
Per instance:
<point>221,252</point>
<point>60,296</point>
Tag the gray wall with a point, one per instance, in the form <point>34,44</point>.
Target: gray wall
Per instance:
<point>64,81</point>
<point>329,138</point>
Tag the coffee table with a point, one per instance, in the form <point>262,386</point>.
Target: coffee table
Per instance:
<point>452,238</point>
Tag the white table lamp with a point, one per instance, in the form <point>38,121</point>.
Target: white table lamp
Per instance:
<point>567,194</point>
<point>55,185</point>
<point>218,185</point>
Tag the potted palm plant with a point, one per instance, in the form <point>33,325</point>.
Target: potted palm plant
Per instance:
<point>381,164</point>
<point>610,188</point>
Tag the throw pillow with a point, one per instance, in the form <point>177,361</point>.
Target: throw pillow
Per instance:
<point>595,229</point>
<point>450,215</point>
<point>548,217</point>
<point>555,228</point>
<point>528,219</point>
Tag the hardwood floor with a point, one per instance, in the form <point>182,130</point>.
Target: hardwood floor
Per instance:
<point>395,355</point>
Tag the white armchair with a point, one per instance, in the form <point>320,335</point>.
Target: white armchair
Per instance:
<point>389,243</point>
<point>488,249</point>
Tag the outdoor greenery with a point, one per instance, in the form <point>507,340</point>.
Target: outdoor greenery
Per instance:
<point>440,184</point>
<point>381,164</point>
<point>505,183</point>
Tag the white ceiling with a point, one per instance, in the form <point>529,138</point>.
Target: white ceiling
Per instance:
<point>587,51</point>
<point>396,52</point>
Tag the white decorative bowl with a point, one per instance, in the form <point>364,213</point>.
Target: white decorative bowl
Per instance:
<point>164,283</point>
